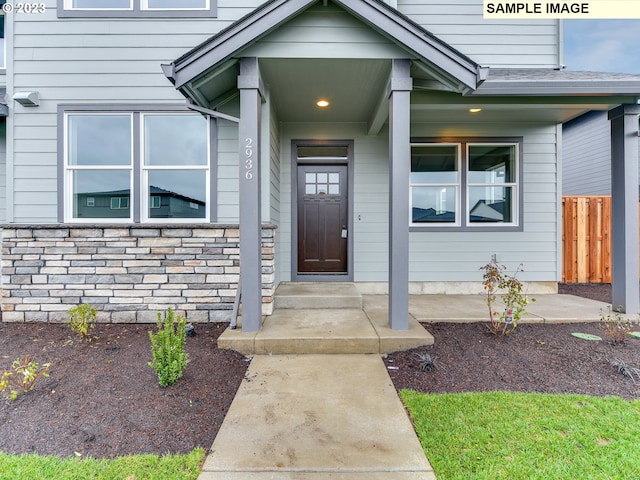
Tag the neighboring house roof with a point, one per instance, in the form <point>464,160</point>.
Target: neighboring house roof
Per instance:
<point>483,211</point>
<point>153,190</point>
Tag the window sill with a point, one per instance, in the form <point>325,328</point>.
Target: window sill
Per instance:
<point>139,14</point>
<point>458,228</point>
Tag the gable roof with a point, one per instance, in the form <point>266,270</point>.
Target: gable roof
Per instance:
<point>419,43</point>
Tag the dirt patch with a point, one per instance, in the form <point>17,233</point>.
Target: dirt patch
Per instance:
<point>535,358</point>
<point>103,400</point>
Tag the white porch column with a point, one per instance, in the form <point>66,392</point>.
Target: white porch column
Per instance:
<point>624,204</point>
<point>250,211</point>
<point>399,172</point>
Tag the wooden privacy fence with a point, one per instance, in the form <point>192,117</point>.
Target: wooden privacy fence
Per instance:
<point>586,238</point>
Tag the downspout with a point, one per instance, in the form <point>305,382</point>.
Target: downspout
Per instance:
<point>560,32</point>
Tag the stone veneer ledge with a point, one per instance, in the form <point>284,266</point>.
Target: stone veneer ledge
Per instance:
<point>129,273</point>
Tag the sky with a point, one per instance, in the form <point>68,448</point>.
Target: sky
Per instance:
<point>602,45</point>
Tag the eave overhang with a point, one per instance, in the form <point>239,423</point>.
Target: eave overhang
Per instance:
<point>556,83</point>
<point>221,49</point>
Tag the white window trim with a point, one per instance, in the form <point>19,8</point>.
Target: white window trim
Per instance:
<point>457,185</point>
<point>515,194</point>
<point>69,169</point>
<point>144,177</point>
<point>137,191</point>
<point>137,9</point>
<point>462,217</point>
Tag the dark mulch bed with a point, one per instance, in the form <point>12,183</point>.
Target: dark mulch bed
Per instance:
<point>535,358</point>
<point>102,399</point>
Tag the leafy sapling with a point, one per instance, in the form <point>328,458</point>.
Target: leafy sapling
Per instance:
<point>81,318</point>
<point>616,327</point>
<point>169,356</point>
<point>22,376</point>
<point>496,281</point>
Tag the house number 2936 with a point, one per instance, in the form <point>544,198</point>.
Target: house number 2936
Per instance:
<point>248,159</point>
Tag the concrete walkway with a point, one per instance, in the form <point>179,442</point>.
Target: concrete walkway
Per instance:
<point>337,416</point>
<point>313,417</point>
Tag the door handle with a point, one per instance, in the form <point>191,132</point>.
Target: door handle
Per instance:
<point>344,232</point>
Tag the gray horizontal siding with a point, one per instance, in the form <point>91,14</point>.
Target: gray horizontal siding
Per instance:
<point>586,155</point>
<point>493,43</point>
<point>325,32</point>
<point>439,256</point>
<point>99,61</point>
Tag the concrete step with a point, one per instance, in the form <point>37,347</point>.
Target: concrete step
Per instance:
<point>324,295</point>
<point>325,331</point>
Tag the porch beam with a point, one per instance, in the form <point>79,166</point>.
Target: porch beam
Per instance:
<point>250,209</point>
<point>399,172</point>
<point>624,206</point>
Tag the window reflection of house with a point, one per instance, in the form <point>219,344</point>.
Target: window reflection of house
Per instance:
<point>116,204</point>
<point>167,204</point>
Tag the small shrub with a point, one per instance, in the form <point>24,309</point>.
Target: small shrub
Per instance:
<point>22,376</point>
<point>616,327</point>
<point>81,318</point>
<point>496,280</point>
<point>624,369</point>
<point>427,362</point>
<point>169,356</point>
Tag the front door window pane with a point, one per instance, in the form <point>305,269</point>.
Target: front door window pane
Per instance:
<point>99,140</point>
<point>175,140</point>
<point>182,194</point>
<point>94,192</point>
<point>433,204</point>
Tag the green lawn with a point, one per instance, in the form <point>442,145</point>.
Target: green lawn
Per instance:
<point>136,467</point>
<point>500,435</point>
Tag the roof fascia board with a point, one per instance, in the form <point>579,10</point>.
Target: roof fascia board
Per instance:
<point>391,24</point>
<point>224,45</point>
<point>557,88</point>
<point>378,16</point>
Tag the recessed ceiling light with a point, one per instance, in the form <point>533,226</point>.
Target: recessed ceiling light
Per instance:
<point>322,103</point>
<point>475,110</point>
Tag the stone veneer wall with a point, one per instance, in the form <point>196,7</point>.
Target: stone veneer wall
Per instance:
<point>128,273</point>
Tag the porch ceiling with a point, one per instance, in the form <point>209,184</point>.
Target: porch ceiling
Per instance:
<point>353,88</point>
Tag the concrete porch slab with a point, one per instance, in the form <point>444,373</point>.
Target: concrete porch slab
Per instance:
<point>324,295</point>
<point>312,417</point>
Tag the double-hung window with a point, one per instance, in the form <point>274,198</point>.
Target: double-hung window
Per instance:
<point>136,167</point>
<point>136,8</point>
<point>175,167</point>
<point>99,165</point>
<point>471,184</point>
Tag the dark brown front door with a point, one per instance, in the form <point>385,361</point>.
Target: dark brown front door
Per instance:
<point>322,219</point>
